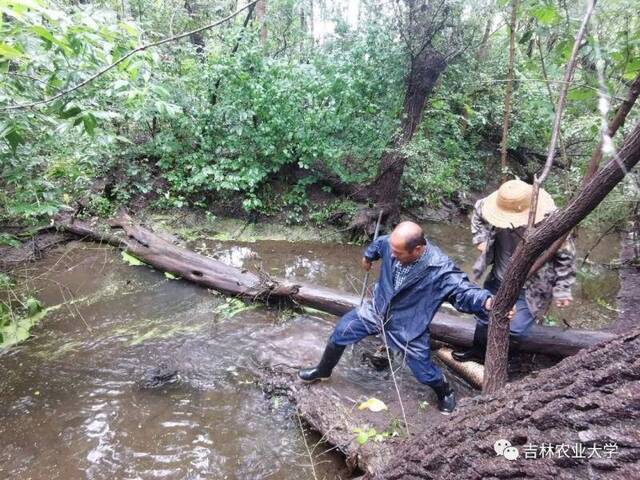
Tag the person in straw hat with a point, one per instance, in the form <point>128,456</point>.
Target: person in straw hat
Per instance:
<point>497,225</point>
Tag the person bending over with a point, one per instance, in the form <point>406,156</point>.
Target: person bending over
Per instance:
<point>416,277</point>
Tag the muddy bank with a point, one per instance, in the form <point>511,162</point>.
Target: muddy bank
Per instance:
<point>30,250</point>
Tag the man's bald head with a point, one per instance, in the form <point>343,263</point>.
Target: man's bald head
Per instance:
<point>407,242</point>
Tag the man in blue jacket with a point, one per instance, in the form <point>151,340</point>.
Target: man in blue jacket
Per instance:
<point>415,279</point>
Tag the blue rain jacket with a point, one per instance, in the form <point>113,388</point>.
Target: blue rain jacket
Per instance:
<point>409,310</point>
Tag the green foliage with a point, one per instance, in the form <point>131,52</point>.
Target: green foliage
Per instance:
<point>550,320</point>
<point>444,156</point>
<point>19,312</point>
<point>254,123</point>
<point>366,433</point>
<point>230,308</point>
<point>253,116</point>
<point>6,281</point>
<point>8,240</point>
<point>130,259</point>
<point>100,206</point>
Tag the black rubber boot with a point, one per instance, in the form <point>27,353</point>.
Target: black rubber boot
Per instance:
<point>446,396</point>
<point>478,348</point>
<point>322,371</point>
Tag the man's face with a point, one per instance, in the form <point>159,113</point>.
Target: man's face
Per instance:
<point>399,251</point>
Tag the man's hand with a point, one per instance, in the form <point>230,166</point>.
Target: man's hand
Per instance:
<point>488,305</point>
<point>563,302</point>
<point>482,246</point>
<point>366,264</point>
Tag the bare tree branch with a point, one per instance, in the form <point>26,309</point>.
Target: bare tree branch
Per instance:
<point>555,131</point>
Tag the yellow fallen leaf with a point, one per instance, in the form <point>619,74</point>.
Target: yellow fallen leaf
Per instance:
<point>373,404</point>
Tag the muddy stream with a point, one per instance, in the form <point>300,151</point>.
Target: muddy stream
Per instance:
<point>73,398</point>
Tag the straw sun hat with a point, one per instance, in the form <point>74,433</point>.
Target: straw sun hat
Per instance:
<point>508,207</point>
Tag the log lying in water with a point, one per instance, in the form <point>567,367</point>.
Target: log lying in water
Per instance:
<point>331,408</point>
<point>162,254</point>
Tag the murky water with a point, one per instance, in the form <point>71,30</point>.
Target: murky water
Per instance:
<point>338,267</point>
<point>72,399</point>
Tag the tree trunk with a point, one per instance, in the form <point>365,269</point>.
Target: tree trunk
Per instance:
<point>197,39</point>
<point>160,253</point>
<point>425,70</point>
<point>485,43</point>
<point>261,11</point>
<point>214,93</point>
<point>538,239</point>
<point>498,340</point>
<point>592,397</point>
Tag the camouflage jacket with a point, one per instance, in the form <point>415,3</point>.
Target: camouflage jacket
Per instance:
<point>553,280</point>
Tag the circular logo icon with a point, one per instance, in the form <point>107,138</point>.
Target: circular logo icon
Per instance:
<point>510,453</point>
<point>500,445</point>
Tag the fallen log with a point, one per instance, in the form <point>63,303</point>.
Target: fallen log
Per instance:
<point>162,254</point>
<point>577,419</point>
<point>473,372</point>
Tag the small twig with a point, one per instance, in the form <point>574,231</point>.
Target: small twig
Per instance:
<point>393,377</point>
<point>600,238</point>
<point>306,445</point>
<point>555,131</point>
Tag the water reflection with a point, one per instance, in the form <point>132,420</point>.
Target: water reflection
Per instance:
<point>72,405</point>
<point>236,256</point>
<point>303,267</point>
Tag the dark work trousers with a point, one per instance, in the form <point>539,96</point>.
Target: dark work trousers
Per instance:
<point>521,323</point>
<point>354,326</point>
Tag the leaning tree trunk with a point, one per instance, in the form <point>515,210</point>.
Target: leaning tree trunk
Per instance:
<point>261,12</point>
<point>425,70</point>
<point>590,398</point>
<point>537,240</point>
<point>197,39</point>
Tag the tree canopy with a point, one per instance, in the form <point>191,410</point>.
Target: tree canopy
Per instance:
<point>294,94</point>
